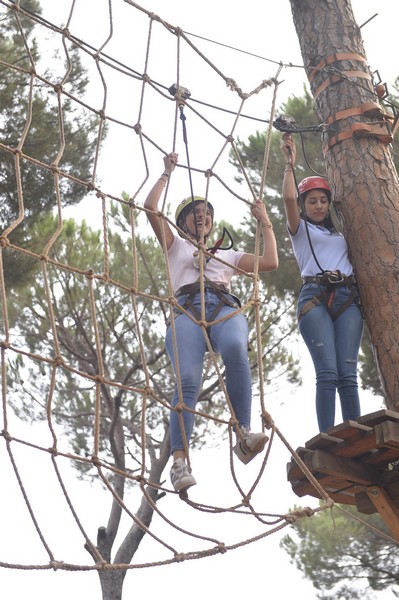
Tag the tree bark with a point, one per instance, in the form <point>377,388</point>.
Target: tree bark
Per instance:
<point>360,168</point>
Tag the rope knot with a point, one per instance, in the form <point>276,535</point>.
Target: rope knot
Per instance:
<point>148,390</point>
<point>95,460</point>
<point>54,168</point>
<point>267,420</point>
<point>66,32</point>
<point>137,128</point>
<point>4,241</point>
<point>180,557</point>
<point>298,514</point>
<point>6,435</point>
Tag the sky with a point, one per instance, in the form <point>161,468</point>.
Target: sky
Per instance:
<point>261,31</point>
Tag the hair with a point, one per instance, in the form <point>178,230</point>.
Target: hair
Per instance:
<point>328,222</point>
<point>189,207</point>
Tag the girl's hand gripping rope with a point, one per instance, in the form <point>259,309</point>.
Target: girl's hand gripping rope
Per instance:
<point>170,162</point>
<point>258,210</point>
<point>288,148</point>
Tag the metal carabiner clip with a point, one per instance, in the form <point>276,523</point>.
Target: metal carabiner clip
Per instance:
<point>335,277</point>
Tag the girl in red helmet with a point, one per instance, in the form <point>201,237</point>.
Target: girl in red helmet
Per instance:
<point>229,337</point>
<point>330,318</point>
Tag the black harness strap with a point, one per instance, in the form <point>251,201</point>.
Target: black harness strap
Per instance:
<point>330,280</point>
<point>220,290</point>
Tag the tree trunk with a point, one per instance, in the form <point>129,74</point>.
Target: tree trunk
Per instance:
<point>359,167</point>
<point>112,580</point>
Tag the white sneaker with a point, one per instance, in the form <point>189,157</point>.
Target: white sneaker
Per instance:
<point>180,475</point>
<point>250,445</point>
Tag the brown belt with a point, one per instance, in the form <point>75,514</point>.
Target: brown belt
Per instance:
<point>195,287</point>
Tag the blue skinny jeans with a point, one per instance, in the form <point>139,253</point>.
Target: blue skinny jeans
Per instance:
<point>334,348</point>
<point>230,339</point>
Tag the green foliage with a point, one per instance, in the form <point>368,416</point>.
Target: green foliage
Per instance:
<point>20,94</point>
<point>106,333</point>
<point>345,558</point>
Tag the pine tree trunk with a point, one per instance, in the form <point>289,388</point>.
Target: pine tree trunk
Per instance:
<point>360,169</point>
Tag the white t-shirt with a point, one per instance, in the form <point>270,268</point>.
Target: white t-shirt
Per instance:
<point>183,272</point>
<point>330,249</point>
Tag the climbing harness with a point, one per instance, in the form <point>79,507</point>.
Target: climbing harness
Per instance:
<point>192,289</point>
<point>327,282</point>
<point>217,246</point>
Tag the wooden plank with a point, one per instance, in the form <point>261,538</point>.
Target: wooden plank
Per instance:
<point>348,430</point>
<point>359,445</point>
<point>344,468</point>
<point>385,507</point>
<point>331,487</point>
<point>321,441</point>
<point>366,506</point>
<point>343,498</point>
<point>378,417</point>
<point>382,457</point>
<point>387,434</point>
<point>350,457</point>
<point>294,471</point>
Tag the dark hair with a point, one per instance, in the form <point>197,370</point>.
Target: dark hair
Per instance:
<point>328,222</point>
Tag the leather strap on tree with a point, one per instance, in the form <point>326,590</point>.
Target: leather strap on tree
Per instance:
<point>339,56</point>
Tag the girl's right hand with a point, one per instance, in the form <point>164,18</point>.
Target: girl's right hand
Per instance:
<point>288,148</point>
<point>170,161</point>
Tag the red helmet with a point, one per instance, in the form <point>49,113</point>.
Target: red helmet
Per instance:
<point>314,183</point>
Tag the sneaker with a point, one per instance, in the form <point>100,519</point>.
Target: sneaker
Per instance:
<point>250,445</point>
<point>180,475</point>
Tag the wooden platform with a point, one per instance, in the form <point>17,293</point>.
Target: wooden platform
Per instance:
<point>356,462</point>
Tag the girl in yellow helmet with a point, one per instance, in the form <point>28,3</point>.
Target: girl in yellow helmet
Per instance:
<point>229,337</point>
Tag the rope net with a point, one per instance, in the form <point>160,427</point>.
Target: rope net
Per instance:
<point>85,379</point>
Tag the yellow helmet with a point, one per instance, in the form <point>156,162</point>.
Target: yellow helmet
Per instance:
<point>186,205</point>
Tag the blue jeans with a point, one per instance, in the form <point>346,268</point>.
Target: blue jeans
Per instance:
<point>334,348</point>
<point>230,339</point>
